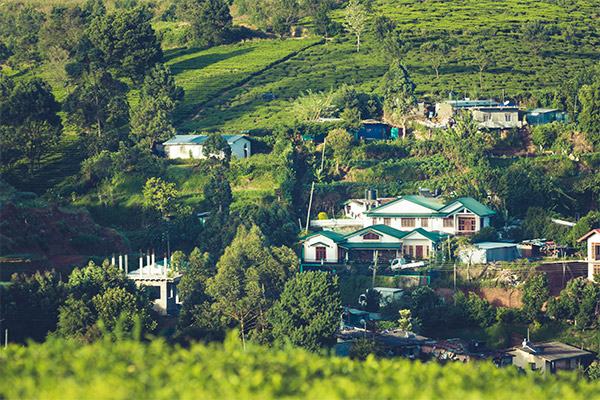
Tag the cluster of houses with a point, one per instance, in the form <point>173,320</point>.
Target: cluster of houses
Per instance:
<point>413,226</point>
<point>543,357</point>
<point>489,114</point>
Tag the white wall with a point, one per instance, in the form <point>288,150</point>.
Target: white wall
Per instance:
<point>595,238</point>
<point>183,150</point>
<point>310,245</point>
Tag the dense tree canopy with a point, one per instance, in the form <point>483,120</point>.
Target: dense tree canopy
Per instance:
<point>127,40</point>
<point>29,120</point>
<point>308,312</point>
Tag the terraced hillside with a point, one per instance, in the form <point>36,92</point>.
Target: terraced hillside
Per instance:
<point>512,69</point>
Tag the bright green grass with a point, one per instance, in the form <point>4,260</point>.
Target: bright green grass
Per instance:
<point>205,75</point>
<point>513,71</point>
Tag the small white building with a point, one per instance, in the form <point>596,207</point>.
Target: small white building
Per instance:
<point>549,357</point>
<point>486,252</point>
<point>160,280</point>
<point>593,251</point>
<point>190,146</point>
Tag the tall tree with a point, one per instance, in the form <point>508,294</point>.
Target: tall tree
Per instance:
<point>29,119</point>
<point>321,19</point>
<point>25,43</point>
<point>481,57</point>
<point>436,52</point>
<point>356,20</point>
<point>160,195</point>
<point>210,20</point>
<point>151,119</point>
<point>103,294</point>
<point>218,191</point>
<point>30,305</point>
<point>236,287</point>
<point>398,94</point>
<point>534,34</point>
<point>97,105</point>
<point>589,118</point>
<point>127,40</point>
<point>215,147</point>
<point>535,293</point>
<point>308,312</point>
<point>340,141</point>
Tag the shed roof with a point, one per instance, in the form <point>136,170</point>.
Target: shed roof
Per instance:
<point>494,245</point>
<point>199,139</point>
<point>537,111</point>
<point>553,351</point>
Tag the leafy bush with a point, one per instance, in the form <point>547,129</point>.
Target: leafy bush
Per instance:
<point>129,369</point>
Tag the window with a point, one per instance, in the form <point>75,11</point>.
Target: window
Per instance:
<point>370,236</point>
<point>596,251</point>
<point>321,253</point>
<point>374,221</point>
<point>507,117</point>
<point>408,222</point>
<point>449,222</point>
<point>424,222</point>
<point>466,224</point>
<point>487,117</point>
<point>387,221</point>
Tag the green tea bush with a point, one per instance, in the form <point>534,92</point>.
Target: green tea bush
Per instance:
<point>136,370</point>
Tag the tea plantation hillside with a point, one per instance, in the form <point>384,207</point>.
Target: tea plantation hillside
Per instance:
<point>128,369</point>
<point>513,69</point>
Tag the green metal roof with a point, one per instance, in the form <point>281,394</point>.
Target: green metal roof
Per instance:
<point>474,206</point>
<point>432,204</point>
<point>336,237</point>
<point>383,229</point>
<point>369,246</point>
<point>433,236</point>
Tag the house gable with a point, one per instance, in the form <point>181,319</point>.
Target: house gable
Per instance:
<point>407,205</point>
<point>471,205</point>
<point>384,233</point>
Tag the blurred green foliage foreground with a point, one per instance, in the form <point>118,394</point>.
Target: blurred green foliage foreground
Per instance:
<point>127,369</point>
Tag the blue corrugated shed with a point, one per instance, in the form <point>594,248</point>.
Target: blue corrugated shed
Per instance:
<point>540,116</point>
<point>372,130</point>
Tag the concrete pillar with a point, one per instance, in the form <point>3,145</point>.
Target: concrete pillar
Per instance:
<point>141,263</point>
<point>165,265</point>
<point>153,259</point>
<point>148,260</point>
<point>126,265</point>
<point>112,260</point>
<point>120,262</point>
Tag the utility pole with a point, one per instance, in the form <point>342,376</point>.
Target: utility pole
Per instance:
<point>454,277</point>
<point>323,154</point>
<point>374,269</point>
<point>309,206</point>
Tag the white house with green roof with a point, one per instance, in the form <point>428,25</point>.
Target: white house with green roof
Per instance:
<point>362,245</point>
<point>462,216</point>
<point>190,146</point>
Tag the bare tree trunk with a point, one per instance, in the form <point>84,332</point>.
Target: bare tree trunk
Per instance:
<point>243,335</point>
